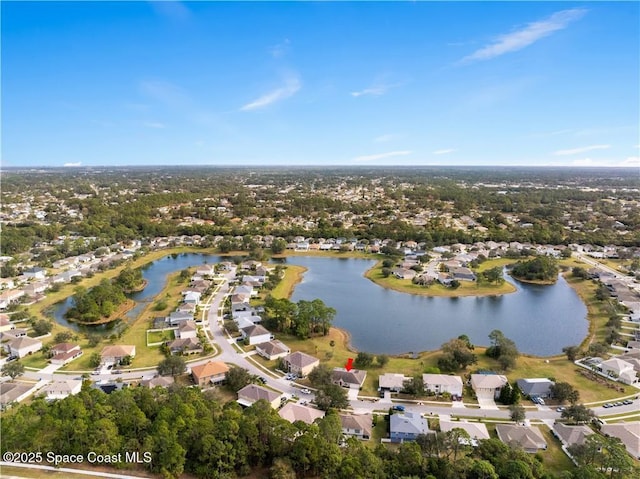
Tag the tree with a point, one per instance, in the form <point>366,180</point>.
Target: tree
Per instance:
<point>13,369</point>
<point>578,413</point>
<point>564,392</point>
<point>517,413</point>
<point>42,327</point>
<point>572,352</point>
<point>320,375</point>
<point>172,366</point>
<point>237,378</point>
<point>414,386</point>
<point>278,246</point>
<point>382,360</point>
<point>63,337</point>
<point>364,360</point>
<point>331,396</point>
<point>503,349</point>
<point>95,359</point>
<point>579,272</point>
<point>458,354</point>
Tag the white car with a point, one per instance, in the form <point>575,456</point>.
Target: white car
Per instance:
<point>305,391</point>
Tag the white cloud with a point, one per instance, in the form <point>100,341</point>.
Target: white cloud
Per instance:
<point>585,162</point>
<point>291,87</point>
<point>631,161</point>
<point>281,49</point>
<point>374,91</point>
<point>77,163</point>
<point>173,10</point>
<point>154,124</point>
<point>382,156</point>
<point>519,39</point>
<point>444,151</point>
<point>575,151</point>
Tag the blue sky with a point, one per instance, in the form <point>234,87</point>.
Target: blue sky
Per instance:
<point>327,83</point>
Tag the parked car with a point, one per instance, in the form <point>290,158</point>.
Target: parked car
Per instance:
<point>398,407</point>
<point>627,401</point>
<point>560,409</point>
<point>305,391</point>
<point>616,404</point>
<point>12,358</point>
<point>607,405</point>
<point>262,379</point>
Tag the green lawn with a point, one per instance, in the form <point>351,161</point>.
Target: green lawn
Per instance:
<point>160,336</point>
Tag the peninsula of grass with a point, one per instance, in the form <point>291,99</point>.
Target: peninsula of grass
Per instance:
<point>466,288</point>
<point>292,276</point>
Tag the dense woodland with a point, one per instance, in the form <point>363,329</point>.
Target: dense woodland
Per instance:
<point>186,430</point>
<point>125,204</point>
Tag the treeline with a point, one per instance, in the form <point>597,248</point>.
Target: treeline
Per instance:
<point>541,268</point>
<point>188,431</point>
<point>90,306</point>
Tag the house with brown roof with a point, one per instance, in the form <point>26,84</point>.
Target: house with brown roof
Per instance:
<point>476,430</point>
<point>628,433</point>
<point>11,392</point>
<point>185,346</point>
<point>64,353</point>
<point>212,372</point>
<point>357,425</point>
<point>300,364</point>
<point>5,323</point>
<point>488,385</point>
<point>353,379</point>
<point>528,438</point>
<point>186,330</point>
<point>253,393</point>
<point>116,353</point>
<point>293,412</point>
<point>272,350</point>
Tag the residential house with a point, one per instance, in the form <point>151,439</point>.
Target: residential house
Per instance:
<point>253,393</point>
<point>407,427</point>
<point>177,317</point>
<point>64,353</point>
<point>488,385</point>
<point>36,288</point>
<point>192,297</point>
<point>157,382</point>
<point>352,379</point>
<point>628,433</point>
<point>116,353</point>
<point>391,382</point>
<point>272,350</point>
<point>186,330</point>
<point>462,274</point>
<point>476,430</point>
<point>300,364</point>
<point>256,334</point>
<point>357,425</point>
<point>5,323</point>
<point>402,273</point>
<point>61,389</point>
<point>619,369</point>
<point>570,435</point>
<point>9,297</point>
<point>535,387</point>
<point>35,273</point>
<point>528,438</point>
<point>185,346</point>
<point>11,392</point>
<point>186,308</point>
<point>442,383</point>
<point>293,412</point>
<point>212,372</point>
<point>21,346</point>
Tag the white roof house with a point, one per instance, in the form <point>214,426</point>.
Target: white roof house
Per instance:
<point>440,383</point>
<point>628,433</point>
<point>619,369</point>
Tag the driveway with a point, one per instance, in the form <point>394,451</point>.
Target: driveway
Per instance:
<point>487,403</point>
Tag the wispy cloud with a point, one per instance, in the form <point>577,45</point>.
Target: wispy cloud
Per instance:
<point>290,88</point>
<point>281,49</point>
<point>531,33</point>
<point>376,89</point>
<point>382,156</point>
<point>172,9</point>
<point>165,92</point>
<point>153,124</point>
<point>444,151</point>
<point>576,151</point>
<point>71,165</point>
<point>631,161</point>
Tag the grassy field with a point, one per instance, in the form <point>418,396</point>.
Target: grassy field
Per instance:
<point>293,275</point>
<point>467,288</point>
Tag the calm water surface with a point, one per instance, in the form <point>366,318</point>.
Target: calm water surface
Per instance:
<point>540,319</point>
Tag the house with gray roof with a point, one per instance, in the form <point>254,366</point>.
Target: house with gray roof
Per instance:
<point>628,433</point>
<point>253,393</point>
<point>357,425</point>
<point>535,387</point>
<point>391,382</point>
<point>272,349</point>
<point>528,438</point>
<point>442,383</point>
<point>570,435</point>
<point>61,389</point>
<point>157,382</point>
<point>476,430</point>
<point>11,392</point>
<point>293,412</point>
<point>256,334</point>
<point>300,364</point>
<point>407,427</point>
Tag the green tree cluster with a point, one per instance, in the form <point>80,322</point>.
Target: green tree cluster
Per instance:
<point>503,349</point>
<point>541,268</point>
<point>89,306</point>
<point>303,319</point>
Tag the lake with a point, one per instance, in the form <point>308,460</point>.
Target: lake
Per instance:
<point>540,319</point>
